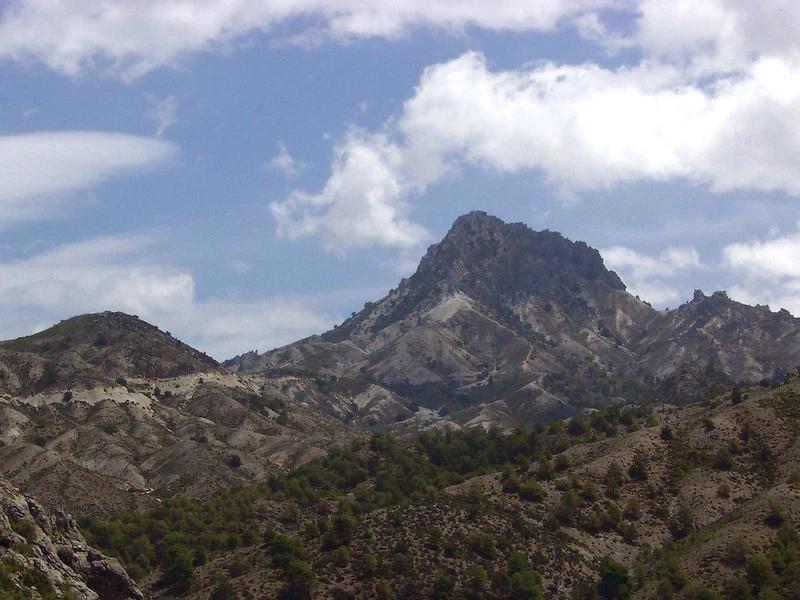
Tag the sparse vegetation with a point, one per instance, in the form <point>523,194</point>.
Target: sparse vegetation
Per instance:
<point>331,509</point>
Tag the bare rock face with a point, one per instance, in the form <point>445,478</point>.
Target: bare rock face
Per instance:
<point>502,325</point>
<point>46,551</point>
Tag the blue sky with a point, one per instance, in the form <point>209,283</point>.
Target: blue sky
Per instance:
<point>244,173</point>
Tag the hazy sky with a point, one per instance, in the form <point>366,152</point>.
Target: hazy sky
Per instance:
<point>244,173</point>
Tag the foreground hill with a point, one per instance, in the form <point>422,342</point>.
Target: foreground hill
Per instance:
<point>109,402</point>
<point>697,501</point>
<point>502,325</point>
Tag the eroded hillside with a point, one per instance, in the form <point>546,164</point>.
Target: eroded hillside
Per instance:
<point>142,416</point>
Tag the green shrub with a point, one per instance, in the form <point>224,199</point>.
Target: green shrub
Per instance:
<point>639,467</point>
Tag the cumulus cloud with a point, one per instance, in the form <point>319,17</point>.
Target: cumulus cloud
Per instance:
<point>766,271</point>
<point>586,127</point>
<point>38,171</point>
<point>647,276</point>
<point>363,202</point>
<point>714,99</point>
<point>714,36</point>
<point>657,292</point>
<point>583,127</point>
<point>641,266</point>
<point>130,39</point>
<point>774,259</point>
<point>120,273</point>
<point>784,296</point>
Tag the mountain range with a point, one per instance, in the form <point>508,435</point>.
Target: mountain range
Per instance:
<point>502,325</point>
<point>500,329</point>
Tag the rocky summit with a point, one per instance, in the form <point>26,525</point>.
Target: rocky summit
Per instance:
<point>503,325</point>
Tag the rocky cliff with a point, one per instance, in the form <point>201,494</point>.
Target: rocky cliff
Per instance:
<point>43,555</point>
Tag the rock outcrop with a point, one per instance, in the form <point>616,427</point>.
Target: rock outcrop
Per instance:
<point>46,552</point>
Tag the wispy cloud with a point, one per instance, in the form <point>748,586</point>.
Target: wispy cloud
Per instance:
<point>164,113</point>
<point>39,171</point>
<point>94,274</point>
<point>124,273</point>
<point>285,162</point>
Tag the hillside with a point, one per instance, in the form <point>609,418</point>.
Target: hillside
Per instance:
<point>680,502</point>
<point>90,350</point>
<point>110,402</point>
<point>501,325</point>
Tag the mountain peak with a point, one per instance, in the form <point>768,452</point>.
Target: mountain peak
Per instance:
<point>476,219</point>
<point>492,260</point>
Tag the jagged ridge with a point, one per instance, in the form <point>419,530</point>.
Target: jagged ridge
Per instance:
<point>498,313</point>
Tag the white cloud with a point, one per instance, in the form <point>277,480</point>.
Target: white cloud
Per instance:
<point>119,273</point>
<point>713,36</point>
<point>648,277</point>
<point>226,328</point>
<point>786,295</point>
<point>587,127</point>
<point>285,162</point>
<point>129,39</point>
<point>766,271</point>
<point>641,266</point>
<point>584,127</point>
<point>164,113</point>
<point>773,259</point>
<point>37,171</point>
<point>362,203</point>
<point>657,292</point>
<point>94,275</point>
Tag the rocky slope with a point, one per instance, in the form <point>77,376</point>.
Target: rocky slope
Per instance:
<point>747,343</point>
<point>43,555</point>
<point>501,325</point>
<point>108,402</point>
